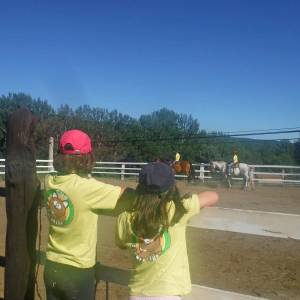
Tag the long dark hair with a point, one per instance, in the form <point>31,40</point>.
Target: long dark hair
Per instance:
<point>151,211</point>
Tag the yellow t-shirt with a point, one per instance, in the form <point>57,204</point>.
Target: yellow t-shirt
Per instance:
<point>169,275</point>
<point>177,157</point>
<point>235,159</point>
<point>70,202</point>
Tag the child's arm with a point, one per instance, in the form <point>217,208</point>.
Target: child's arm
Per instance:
<point>124,203</point>
<point>122,236</point>
<point>208,198</point>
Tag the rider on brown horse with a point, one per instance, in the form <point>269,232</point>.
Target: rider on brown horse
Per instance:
<point>183,167</point>
<point>177,158</point>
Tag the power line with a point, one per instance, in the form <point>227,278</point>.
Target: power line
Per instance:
<point>218,141</point>
<point>261,130</point>
<point>199,136</point>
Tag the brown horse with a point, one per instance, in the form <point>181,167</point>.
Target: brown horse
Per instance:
<point>184,167</point>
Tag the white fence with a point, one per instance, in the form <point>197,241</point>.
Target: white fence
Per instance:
<point>266,174</point>
<point>262,173</point>
<point>43,166</point>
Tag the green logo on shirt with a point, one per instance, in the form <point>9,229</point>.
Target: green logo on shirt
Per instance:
<point>59,207</point>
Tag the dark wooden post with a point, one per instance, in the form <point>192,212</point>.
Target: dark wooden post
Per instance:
<point>22,198</point>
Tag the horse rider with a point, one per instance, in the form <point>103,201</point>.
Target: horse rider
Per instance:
<point>234,163</point>
<point>177,159</point>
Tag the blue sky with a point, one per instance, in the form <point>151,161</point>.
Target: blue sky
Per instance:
<point>231,64</point>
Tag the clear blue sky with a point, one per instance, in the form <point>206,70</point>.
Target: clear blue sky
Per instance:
<point>231,64</point>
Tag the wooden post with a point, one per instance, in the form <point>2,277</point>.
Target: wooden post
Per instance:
<point>22,199</point>
<point>50,157</point>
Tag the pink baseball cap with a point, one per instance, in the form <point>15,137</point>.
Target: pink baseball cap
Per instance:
<point>75,142</point>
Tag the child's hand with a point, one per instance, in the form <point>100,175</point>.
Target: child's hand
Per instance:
<point>208,198</point>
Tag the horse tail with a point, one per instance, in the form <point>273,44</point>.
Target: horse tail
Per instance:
<point>251,177</point>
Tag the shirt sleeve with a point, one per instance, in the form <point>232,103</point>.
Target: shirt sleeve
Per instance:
<point>192,206</point>
<point>99,195</point>
<point>122,236</point>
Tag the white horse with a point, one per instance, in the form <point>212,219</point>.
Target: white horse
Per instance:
<point>242,170</point>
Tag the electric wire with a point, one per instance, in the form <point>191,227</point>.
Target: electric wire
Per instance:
<point>207,136</point>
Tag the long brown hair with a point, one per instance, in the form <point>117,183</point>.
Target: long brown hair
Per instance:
<point>151,211</point>
<point>81,164</point>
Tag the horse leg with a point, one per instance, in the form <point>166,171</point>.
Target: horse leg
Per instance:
<point>189,178</point>
<point>191,175</point>
<point>245,184</point>
<point>229,182</point>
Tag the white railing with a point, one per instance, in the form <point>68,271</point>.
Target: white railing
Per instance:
<point>43,166</point>
<point>282,173</point>
<point>118,168</point>
<point>276,174</point>
<point>2,166</point>
<point>271,174</point>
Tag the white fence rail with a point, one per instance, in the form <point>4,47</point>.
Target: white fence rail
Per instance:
<point>43,166</point>
<point>266,174</point>
<point>273,174</point>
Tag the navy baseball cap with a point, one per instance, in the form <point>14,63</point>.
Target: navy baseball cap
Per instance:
<point>156,177</point>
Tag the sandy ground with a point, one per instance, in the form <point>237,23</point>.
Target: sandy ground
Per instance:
<point>249,264</point>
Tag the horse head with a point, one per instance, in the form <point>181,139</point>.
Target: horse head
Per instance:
<point>218,166</point>
<point>212,166</point>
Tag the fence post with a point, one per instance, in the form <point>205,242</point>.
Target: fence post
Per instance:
<point>201,175</point>
<point>50,157</point>
<point>122,172</point>
<point>22,199</point>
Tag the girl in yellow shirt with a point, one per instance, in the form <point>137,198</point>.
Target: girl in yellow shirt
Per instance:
<point>72,198</point>
<point>154,231</point>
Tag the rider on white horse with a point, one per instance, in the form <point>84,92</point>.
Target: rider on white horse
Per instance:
<point>233,164</point>
<point>242,170</point>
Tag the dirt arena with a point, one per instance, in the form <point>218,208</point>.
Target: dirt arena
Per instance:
<point>248,264</point>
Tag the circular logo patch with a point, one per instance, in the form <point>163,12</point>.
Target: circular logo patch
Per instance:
<point>59,207</point>
<point>151,249</point>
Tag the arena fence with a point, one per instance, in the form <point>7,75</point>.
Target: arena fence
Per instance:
<point>121,277</point>
<point>262,174</point>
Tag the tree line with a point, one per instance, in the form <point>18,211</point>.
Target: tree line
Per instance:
<point>160,134</point>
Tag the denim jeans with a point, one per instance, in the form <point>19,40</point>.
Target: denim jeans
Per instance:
<point>64,282</point>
